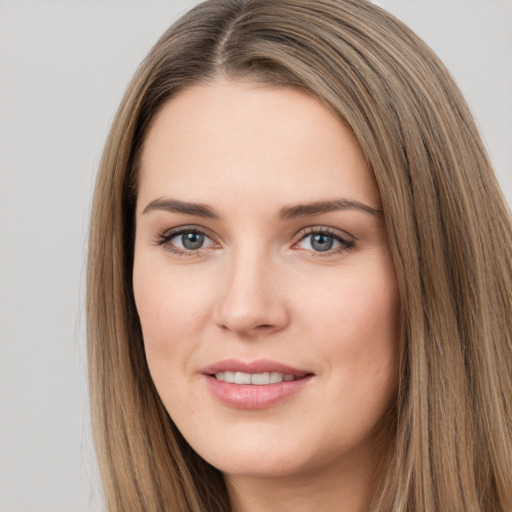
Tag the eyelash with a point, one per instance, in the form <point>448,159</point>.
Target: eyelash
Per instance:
<point>165,238</point>
<point>346,243</point>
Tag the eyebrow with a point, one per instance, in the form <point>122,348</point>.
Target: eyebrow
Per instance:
<point>317,208</point>
<point>286,213</point>
<point>173,205</point>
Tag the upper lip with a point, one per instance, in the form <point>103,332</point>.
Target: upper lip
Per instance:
<point>258,366</point>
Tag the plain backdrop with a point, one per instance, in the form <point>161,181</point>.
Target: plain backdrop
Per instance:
<point>63,68</point>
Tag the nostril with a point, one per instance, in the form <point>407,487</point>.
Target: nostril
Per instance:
<point>246,310</point>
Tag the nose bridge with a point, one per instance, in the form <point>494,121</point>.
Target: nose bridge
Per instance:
<point>250,301</point>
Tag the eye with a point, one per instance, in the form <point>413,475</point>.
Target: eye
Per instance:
<point>185,241</point>
<point>189,241</point>
<point>324,241</point>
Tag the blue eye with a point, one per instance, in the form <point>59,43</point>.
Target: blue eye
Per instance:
<point>322,241</point>
<point>191,241</point>
<point>185,240</point>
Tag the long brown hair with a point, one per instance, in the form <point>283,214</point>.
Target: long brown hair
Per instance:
<point>449,229</point>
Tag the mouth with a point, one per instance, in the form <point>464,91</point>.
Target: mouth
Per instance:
<point>255,385</point>
<point>255,379</point>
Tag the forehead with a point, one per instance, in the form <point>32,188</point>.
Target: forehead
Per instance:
<point>245,135</point>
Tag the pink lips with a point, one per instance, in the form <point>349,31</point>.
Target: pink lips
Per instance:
<point>249,396</point>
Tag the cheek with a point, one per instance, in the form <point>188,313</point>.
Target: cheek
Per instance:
<point>375,310</point>
<point>359,334</point>
<point>167,301</point>
<point>376,316</point>
<point>362,305</point>
<point>378,325</point>
<point>168,310</point>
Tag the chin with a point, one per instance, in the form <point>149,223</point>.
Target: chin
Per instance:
<point>253,458</point>
<point>258,466</point>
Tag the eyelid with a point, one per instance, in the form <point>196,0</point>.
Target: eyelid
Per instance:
<point>163,239</point>
<point>326,229</point>
<point>346,239</point>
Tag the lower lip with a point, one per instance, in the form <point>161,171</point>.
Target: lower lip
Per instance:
<point>250,396</point>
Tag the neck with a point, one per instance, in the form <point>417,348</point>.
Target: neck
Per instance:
<point>337,488</point>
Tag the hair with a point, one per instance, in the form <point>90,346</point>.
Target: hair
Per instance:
<point>449,231</point>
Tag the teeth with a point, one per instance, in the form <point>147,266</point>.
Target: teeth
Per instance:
<point>242,378</point>
<point>229,377</point>
<point>277,377</point>
<point>258,379</point>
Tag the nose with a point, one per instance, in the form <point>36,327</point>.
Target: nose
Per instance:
<point>253,299</point>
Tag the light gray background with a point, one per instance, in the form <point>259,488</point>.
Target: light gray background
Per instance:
<point>63,68</point>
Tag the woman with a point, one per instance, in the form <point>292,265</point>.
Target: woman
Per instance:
<point>300,282</point>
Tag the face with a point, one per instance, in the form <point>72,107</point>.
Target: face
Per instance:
<point>263,281</point>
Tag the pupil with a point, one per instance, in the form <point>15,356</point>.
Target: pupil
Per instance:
<point>322,242</point>
<point>192,240</point>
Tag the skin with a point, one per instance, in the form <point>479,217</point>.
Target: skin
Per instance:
<point>259,289</point>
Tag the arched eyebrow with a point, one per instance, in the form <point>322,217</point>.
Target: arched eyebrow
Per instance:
<point>173,205</point>
<point>317,208</point>
<point>286,213</point>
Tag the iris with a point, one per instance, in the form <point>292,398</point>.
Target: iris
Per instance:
<point>192,240</point>
<point>320,242</point>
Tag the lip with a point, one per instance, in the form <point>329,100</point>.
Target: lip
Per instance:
<point>259,366</point>
<point>242,396</point>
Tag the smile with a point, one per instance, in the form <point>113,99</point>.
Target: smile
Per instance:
<point>257,379</point>
<point>254,385</point>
